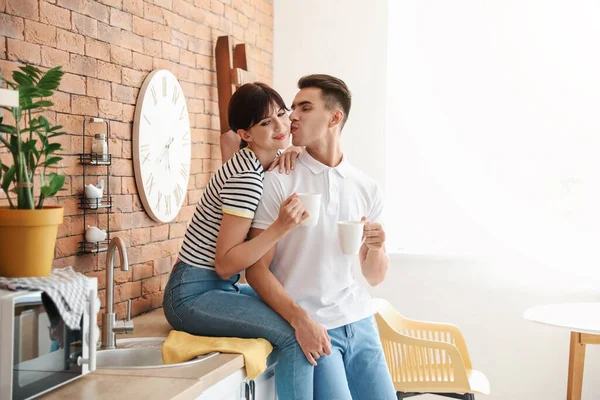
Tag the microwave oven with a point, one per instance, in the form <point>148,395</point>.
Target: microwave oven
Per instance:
<point>38,351</point>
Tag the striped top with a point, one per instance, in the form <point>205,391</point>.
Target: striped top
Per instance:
<point>236,189</point>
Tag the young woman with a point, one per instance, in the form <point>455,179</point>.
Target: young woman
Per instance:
<point>203,296</point>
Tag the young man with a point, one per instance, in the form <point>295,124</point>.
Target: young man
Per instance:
<point>306,278</point>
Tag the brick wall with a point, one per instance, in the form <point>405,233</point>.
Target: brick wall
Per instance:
<point>107,48</point>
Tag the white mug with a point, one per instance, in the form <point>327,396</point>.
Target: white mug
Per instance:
<point>350,234</point>
<point>312,204</point>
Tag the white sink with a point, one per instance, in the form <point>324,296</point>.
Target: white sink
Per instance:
<point>139,353</point>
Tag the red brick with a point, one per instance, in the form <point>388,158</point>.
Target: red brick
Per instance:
<point>120,19</point>
<point>23,51</point>
<point>120,55</point>
<point>98,88</point>
<point>52,57</point>
<point>39,33</point>
<point>124,94</point>
<point>202,180</point>
<point>141,62</point>
<point>72,124</point>
<point>152,48</point>
<point>110,72</point>
<point>142,27</point>
<point>56,16</point>
<point>121,130</point>
<point>135,7</point>
<point>113,3</point>
<point>159,233</point>
<point>162,266</point>
<point>128,290</point>
<point>3,47</point>
<point>140,236</point>
<point>128,113</point>
<point>110,109</point>
<point>82,65</point>
<point>23,8</point>
<point>187,58</point>
<point>132,41</point>
<point>109,33</point>
<point>217,7</point>
<point>122,167</point>
<point>86,106</point>
<point>69,41</point>
<point>170,52</point>
<point>122,203</point>
<point>67,246</point>
<point>62,102</point>
<point>150,285</point>
<point>97,49</point>
<point>153,13</point>
<point>133,78</point>
<point>97,11</point>
<point>2,5</point>
<point>177,230</point>
<point>168,4</point>
<point>141,305</point>
<point>142,271</point>
<point>85,25</point>
<point>74,5</point>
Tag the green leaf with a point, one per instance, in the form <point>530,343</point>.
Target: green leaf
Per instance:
<point>56,134</point>
<point>51,79</point>
<point>52,161</point>
<point>8,178</point>
<point>8,129</point>
<point>32,71</point>
<point>43,120</point>
<point>55,183</point>
<point>51,148</point>
<point>22,79</point>
<point>27,146</point>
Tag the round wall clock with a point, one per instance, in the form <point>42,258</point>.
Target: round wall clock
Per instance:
<point>161,146</point>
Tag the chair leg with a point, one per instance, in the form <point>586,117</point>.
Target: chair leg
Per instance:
<point>469,396</point>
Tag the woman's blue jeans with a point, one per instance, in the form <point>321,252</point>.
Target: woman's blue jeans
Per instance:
<point>199,302</point>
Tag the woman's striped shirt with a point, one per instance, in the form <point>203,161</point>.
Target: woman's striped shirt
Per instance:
<point>236,189</point>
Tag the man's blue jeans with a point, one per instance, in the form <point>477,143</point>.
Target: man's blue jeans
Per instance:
<point>356,367</point>
<point>199,302</point>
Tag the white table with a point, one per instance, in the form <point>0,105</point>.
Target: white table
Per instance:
<point>583,321</point>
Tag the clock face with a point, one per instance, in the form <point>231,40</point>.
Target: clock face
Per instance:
<point>161,146</point>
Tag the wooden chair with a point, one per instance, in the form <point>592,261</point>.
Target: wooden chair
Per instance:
<point>427,357</point>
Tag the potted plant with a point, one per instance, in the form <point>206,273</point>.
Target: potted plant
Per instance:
<point>28,229</point>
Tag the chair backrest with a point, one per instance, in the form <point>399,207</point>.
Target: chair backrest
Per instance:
<point>416,354</point>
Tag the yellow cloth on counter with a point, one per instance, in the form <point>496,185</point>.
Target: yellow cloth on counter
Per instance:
<point>181,346</point>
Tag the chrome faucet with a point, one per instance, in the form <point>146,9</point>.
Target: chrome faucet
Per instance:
<point>110,327</point>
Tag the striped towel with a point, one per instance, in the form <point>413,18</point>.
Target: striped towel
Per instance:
<point>67,290</point>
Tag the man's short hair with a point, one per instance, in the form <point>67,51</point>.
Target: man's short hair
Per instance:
<point>335,92</point>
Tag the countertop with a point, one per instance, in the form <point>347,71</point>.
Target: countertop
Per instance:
<point>185,382</point>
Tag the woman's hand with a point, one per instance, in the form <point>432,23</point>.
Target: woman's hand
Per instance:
<point>291,213</point>
<point>287,159</point>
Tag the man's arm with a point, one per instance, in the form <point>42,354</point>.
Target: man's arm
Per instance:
<point>312,337</point>
<point>373,258</point>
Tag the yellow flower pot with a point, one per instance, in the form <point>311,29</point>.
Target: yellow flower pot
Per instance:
<point>27,241</point>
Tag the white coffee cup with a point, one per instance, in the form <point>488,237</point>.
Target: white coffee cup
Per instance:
<point>312,204</point>
<point>350,234</point>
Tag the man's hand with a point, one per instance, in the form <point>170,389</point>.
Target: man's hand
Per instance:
<point>373,235</point>
<point>312,338</point>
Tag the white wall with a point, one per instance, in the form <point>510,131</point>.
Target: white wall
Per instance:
<point>347,39</point>
<point>485,294</point>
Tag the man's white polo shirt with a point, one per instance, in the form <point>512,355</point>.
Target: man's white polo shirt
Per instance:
<point>309,262</point>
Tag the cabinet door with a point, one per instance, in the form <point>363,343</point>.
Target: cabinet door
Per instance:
<point>263,387</point>
<point>232,387</point>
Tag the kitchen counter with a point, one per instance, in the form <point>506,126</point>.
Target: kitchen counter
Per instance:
<point>185,382</point>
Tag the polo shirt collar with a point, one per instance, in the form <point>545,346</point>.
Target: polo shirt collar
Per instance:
<point>317,167</point>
